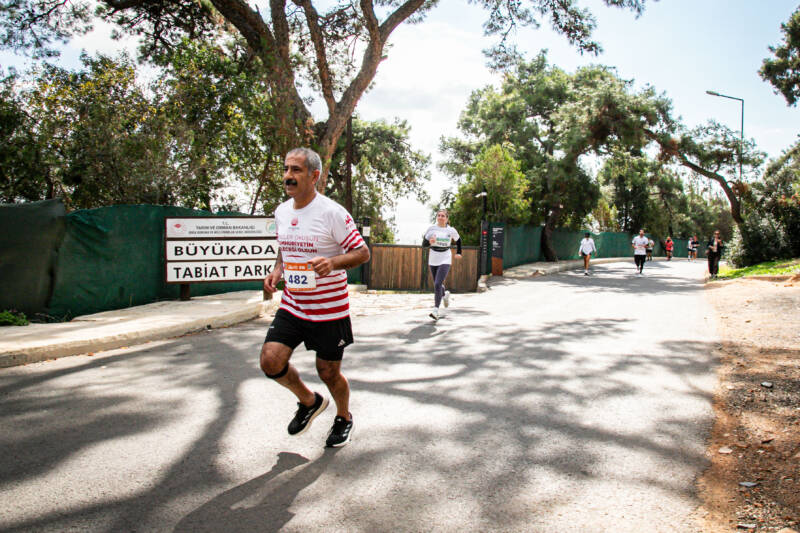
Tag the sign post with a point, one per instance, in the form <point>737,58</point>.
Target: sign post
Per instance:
<point>497,250</point>
<point>217,249</point>
<point>484,248</point>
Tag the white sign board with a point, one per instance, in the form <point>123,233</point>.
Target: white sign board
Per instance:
<point>206,249</point>
<point>217,250</point>
<point>220,227</point>
<point>195,271</point>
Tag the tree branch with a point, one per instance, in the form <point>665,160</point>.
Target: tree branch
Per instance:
<point>325,78</point>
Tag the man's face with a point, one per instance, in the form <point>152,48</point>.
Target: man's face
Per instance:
<point>297,181</point>
<point>641,233</point>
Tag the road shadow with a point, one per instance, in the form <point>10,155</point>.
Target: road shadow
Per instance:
<point>519,396</point>
<point>261,504</point>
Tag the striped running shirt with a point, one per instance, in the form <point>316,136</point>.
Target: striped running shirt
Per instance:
<point>322,228</point>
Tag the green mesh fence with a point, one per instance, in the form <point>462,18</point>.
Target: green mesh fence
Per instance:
<point>522,244</point>
<point>30,236</point>
<point>113,257</point>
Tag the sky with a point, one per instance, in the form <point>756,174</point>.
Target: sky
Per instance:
<point>680,47</point>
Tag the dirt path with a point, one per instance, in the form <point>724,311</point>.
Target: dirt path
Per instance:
<point>756,437</point>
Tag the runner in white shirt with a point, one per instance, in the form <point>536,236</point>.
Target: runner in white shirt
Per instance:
<point>439,237</point>
<point>586,249</point>
<point>318,240</point>
<point>639,244</point>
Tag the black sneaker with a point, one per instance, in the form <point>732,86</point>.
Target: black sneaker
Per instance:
<point>305,415</point>
<point>340,432</point>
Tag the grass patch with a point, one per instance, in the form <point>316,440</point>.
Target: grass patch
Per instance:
<point>10,317</point>
<point>770,268</point>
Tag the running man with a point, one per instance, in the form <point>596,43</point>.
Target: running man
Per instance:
<point>318,242</point>
<point>650,246</point>
<point>639,244</point>
<point>439,237</point>
<point>586,249</point>
<point>668,246</point>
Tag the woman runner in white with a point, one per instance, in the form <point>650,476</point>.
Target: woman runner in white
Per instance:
<point>639,244</point>
<point>439,237</point>
<point>586,249</point>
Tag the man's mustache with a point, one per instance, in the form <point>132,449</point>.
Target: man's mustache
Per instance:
<point>290,181</point>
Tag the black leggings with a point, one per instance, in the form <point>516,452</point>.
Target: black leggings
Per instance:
<point>639,259</point>
<point>713,263</point>
<point>439,273</point>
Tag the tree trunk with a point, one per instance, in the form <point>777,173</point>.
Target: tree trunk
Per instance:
<point>348,170</point>
<point>548,249</point>
<point>736,209</point>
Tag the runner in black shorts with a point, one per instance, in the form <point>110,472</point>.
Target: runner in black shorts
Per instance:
<point>318,241</point>
<point>328,339</point>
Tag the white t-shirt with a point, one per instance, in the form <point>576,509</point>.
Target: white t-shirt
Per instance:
<point>444,236</point>
<point>322,228</point>
<point>639,245</point>
<point>587,246</point>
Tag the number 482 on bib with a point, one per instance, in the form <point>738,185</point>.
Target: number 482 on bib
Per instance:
<point>299,276</point>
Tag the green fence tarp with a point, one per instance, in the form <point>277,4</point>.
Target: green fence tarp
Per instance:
<point>522,244</point>
<point>113,257</point>
<point>30,235</point>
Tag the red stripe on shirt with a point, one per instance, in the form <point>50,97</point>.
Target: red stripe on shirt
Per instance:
<point>318,312</point>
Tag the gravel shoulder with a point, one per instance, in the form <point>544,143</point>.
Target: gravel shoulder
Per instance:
<point>756,435</point>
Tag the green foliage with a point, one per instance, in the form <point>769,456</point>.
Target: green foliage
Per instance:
<point>778,196</point>
<point>98,135</point>
<point>771,228</point>
<point>756,240</point>
<point>386,168</point>
<point>782,70</point>
<point>223,123</point>
<point>630,179</point>
<point>23,176</point>
<point>497,172</point>
<point>13,318</point>
<point>553,119</point>
<point>770,268</point>
<point>34,26</point>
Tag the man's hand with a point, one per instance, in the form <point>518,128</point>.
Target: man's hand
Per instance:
<point>271,281</point>
<point>458,256</point>
<point>432,240</point>
<point>322,265</point>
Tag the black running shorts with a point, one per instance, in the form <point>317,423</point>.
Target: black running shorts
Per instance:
<point>328,338</point>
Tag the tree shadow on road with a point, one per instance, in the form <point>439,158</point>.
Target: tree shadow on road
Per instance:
<point>528,405</point>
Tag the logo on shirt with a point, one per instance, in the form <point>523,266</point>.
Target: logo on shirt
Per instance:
<point>348,220</point>
<point>294,221</point>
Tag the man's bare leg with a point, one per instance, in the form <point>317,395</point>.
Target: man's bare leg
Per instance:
<point>274,358</point>
<point>330,373</point>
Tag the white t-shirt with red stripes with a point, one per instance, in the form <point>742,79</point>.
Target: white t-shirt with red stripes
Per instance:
<point>322,228</point>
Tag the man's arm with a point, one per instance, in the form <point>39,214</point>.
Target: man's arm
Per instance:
<point>324,265</point>
<point>273,277</point>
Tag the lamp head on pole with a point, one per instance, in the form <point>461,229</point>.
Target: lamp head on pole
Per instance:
<point>712,93</point>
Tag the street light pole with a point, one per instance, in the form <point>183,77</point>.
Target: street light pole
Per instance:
<point>741,137</point>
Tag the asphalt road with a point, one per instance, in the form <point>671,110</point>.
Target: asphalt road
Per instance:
<point>560,403</point>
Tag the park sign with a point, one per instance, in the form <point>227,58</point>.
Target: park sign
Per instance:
<point>212,249</point>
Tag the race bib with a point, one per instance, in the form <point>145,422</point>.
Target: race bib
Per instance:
<point>444,242</point>
<point>299,276</point>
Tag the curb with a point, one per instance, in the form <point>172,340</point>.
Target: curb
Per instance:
<point>138,334</point>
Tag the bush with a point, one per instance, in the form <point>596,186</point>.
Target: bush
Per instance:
<point>13,318</point>
<point>757,240</point>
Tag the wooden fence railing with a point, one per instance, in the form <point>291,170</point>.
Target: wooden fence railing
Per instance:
<point>405,267</point>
